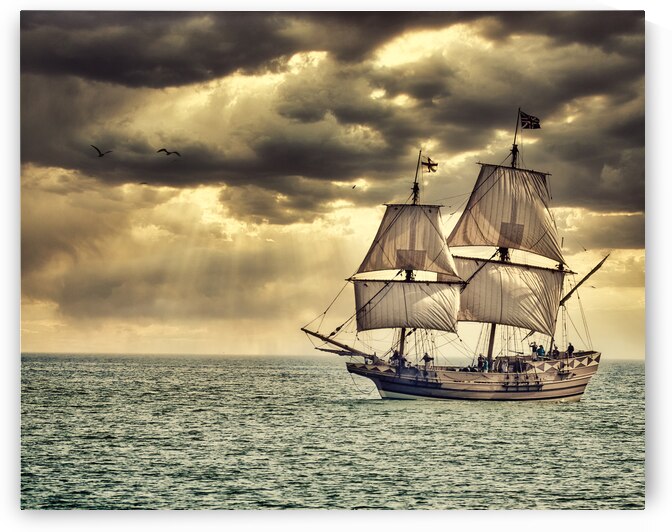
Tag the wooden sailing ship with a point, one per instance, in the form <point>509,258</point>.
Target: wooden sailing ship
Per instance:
<point>410,283</point>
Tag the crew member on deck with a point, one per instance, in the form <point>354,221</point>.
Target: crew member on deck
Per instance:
<point>570,349</point>
<point>480,362</point>
<point>504,366</point>
<point>541,352</point>
<point>427,360</point>
<point>394,359</point>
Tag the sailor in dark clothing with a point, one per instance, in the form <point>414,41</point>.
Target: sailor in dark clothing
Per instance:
<point>427,360</point>
<point>399,359</point>
<point>556,352</point>
<point>394,359</point>
<point>480,362</point>
<point>570,349</point>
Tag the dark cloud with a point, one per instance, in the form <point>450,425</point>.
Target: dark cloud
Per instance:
<point>321,123</point>
<point>277,116</point>
<point>150,49</point>
<point>601,232</point>
<point>159,49</point>
<point>352,36</point>
<point>604,29</point>
<point>424,80</point>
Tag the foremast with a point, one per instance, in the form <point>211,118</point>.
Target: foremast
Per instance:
<point>409,273</point>
<point>410,239</point>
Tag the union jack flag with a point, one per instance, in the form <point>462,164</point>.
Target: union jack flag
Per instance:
<point>529,121</point>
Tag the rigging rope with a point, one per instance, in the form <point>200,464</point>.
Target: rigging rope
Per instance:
<point>585,322</point>
<point>327,310</point>
<point>576,330</point>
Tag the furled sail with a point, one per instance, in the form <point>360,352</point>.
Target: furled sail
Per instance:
<point>410,237</point>
<point>413,304</point>
<point>509,208</point>
<point>510,294</point>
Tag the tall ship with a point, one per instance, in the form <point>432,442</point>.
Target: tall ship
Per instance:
<point>413,297</point>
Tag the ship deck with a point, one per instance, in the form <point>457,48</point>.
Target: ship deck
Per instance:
<point>559,379</point>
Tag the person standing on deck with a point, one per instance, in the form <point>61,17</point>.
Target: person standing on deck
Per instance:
<point>541,353</point>
<point>427,360</point>
<point>480,362</point>
<point>394,359</point>
<point>570,349</point>
<point>485,365</point>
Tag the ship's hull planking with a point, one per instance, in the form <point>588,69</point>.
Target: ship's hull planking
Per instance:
<point>554,380</point>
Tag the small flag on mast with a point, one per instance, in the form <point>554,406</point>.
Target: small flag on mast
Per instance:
<point>529,121</point>
<point>429,164</point>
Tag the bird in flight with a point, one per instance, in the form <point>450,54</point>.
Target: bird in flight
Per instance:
<point>168,152</point>
<point>353,186</point>
<point>100,153</point>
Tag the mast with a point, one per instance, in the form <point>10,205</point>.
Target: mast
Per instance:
<point>416,187</point>
<point>491,344</point>
<point>503,252</point>
<point>514,148</point>
<point>409,273</point>
<point>504,256</point>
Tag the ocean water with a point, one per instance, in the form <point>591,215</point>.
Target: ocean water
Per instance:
<point>196,432</point>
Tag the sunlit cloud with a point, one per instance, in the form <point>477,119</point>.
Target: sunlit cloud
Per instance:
<point>289,148</point>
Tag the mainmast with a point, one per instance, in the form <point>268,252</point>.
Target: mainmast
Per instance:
<point>514,148</point>
<point>503,252</point>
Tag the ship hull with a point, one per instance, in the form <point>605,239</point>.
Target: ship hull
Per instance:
<point>557,380</point>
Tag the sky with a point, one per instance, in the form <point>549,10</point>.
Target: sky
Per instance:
<point>249,234</point>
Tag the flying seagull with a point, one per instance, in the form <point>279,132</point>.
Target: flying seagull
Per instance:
<point>168,152</point>
<point>100,153</point>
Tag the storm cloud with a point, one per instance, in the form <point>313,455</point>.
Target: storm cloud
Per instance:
<point>293,128</point>
<point>128,82</point>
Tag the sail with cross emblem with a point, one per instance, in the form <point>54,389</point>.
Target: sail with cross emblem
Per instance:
<point>411,239</point>
<point>509,208</point>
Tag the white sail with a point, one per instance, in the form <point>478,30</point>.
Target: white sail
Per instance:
<point>510,294</point>
<point>509,208</point>
<point>410,237</point>
<point>412,304</point>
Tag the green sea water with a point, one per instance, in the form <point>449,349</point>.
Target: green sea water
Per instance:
<point>197,432</point>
